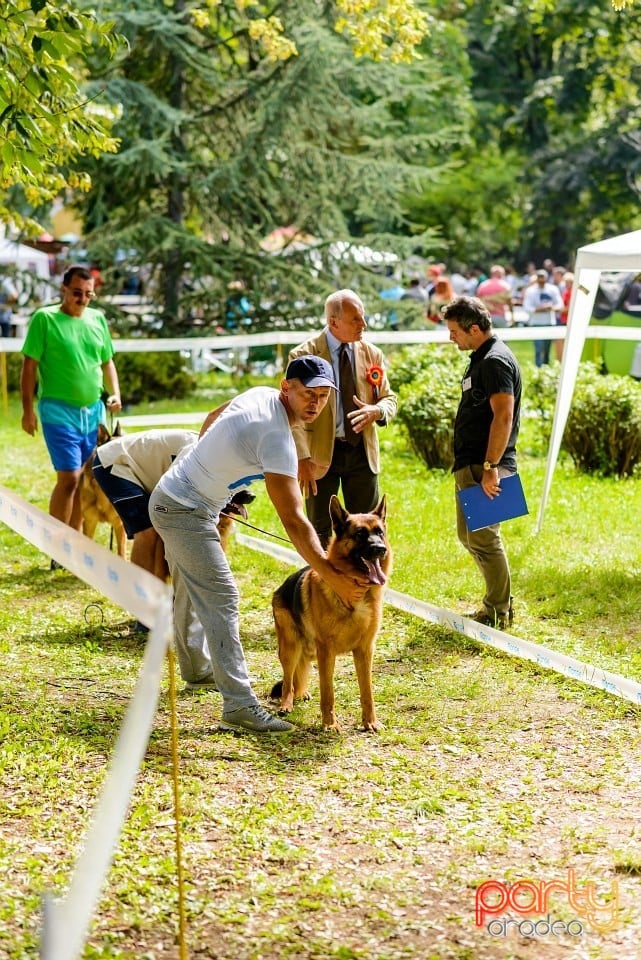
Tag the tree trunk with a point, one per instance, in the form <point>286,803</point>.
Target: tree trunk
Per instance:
<point>174,261</point>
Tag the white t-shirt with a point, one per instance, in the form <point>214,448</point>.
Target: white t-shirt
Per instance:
<point>546,296</point>
<point>250,438</point>
<point>143,457</point>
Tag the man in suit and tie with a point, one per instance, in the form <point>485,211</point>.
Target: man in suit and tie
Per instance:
<point>340,448</point>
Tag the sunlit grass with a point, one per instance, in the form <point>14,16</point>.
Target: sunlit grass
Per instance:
<point>329,845</point>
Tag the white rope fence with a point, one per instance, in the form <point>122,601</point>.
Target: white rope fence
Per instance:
<point>280,338</point>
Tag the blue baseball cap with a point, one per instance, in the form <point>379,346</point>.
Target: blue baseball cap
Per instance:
<point>312,371</point>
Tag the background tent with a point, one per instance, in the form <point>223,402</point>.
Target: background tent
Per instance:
<point>25,258</point>
<point>622,253</point>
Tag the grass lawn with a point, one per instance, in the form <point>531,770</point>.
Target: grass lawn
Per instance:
<point>346,846</point>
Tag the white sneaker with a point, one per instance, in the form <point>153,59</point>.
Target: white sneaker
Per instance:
<point>254,719</point>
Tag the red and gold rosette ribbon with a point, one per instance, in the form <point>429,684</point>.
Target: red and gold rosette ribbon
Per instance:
<point>374,377</point>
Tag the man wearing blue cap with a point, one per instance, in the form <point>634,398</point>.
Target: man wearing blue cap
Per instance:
<point>246,439</point>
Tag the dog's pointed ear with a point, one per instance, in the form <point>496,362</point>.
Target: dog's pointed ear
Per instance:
<point>338,514</point>
<point>103,434</point>
<point>117,430</point>
<point>381,509</point>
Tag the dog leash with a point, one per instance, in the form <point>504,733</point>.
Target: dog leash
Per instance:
<point>257,529</point>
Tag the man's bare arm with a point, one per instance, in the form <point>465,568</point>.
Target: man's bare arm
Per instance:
<point>286,496</point>
<point>28,381</point>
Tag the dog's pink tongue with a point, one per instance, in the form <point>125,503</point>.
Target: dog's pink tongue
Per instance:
<point>376,574</point>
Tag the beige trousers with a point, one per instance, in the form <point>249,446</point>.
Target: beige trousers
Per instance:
<point>486,546</point>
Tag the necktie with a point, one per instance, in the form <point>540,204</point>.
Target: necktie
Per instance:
<point>348,389</point>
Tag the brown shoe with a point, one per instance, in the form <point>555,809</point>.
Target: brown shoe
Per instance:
<point>497,620</point>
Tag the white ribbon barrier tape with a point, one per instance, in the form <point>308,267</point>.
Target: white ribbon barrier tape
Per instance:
<point>278,338</point>
<point>195,420</point>
<point>66,921</point>
<point>612,683</point>
<point>129,586</point>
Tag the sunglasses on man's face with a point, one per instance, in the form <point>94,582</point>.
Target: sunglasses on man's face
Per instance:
<point>81,294</point>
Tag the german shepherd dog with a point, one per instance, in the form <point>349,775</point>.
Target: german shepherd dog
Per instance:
<point>95,505</point>
<point>312,623</point>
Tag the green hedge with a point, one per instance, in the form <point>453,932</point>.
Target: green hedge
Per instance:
<point>603,430</point>
<point>153,376</point>
<point>143,376</point>
<point>428,382</point>
<point>14,367</point>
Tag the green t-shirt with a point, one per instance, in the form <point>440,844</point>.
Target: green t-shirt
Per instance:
<point>70,352</point>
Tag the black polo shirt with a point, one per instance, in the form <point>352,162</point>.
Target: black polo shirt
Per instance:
<point>492,369</point>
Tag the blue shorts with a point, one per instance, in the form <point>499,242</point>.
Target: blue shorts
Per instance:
<point>130,501</point>
<point>69,449</point>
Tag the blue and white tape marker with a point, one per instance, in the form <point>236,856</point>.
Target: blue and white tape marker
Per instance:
<point>612,683</point>
<point>66,921</point>
<point>129,586</point>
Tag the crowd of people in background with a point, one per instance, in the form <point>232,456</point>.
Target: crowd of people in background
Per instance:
<point>537,297</point>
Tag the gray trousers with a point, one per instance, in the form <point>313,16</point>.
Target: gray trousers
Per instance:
<point>486,546</point>
<point>204,585</point>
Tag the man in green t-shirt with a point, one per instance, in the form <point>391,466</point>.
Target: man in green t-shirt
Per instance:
<point>68,354</point>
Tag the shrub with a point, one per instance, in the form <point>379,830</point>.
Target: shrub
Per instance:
<point>406,364</point>
<point>429,386</point>
<point>540,385</point>
<point>14,367</point>
<point>153,376</point>
<point>603,431</point>
<point>143,376</point>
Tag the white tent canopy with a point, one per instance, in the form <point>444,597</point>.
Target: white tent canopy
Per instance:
<point>622,253</point>
<point>24,257</point>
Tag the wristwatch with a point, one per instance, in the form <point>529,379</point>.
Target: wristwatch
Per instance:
<point>489,466</point>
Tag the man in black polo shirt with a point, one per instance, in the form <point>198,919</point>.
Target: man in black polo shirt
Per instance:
<point>485,432</point>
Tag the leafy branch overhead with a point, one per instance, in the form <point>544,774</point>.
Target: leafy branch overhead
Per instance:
<point>379,29</point>
<point>45,120</point>
<point>235,124</point>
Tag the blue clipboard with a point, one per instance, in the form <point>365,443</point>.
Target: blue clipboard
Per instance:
<point>479,511</point>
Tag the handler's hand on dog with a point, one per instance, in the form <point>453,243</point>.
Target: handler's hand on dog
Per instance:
<point>349,589</point>
<point>367,413</point>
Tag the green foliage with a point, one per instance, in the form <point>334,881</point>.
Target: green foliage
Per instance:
<point>14,367</point>
<point>479,203</point>
<point>382,29</point>
<point>540,389</point>
<point>46,120</point>
<point>153,376</point>
<point>429,385</point>
<point>558,83</point>
<point>603,430</point>
<point>221,146</point>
